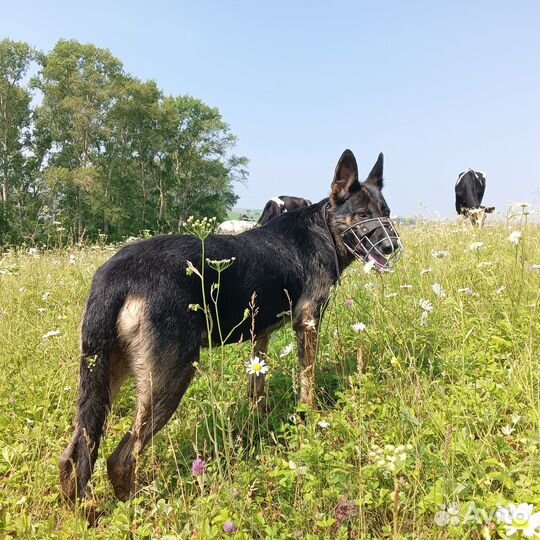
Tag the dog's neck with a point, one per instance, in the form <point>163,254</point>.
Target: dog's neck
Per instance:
<point>342,256</point>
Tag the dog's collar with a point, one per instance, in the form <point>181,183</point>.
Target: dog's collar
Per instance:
<point>334,247</point>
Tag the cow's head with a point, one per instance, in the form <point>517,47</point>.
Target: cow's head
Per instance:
<point>477,215</point>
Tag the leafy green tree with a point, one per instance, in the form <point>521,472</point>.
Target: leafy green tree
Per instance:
<point>129,163</point>
<point>79,83</point>
<point>15,119</point>
<point>199,173</point>
<point>104,151</point>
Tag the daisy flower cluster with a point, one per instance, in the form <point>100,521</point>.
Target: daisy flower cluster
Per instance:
<point>390,458</point>
<point>220,265</point>
<point>202,228</point>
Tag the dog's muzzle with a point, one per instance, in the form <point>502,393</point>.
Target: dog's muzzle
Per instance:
<point>374,240</point>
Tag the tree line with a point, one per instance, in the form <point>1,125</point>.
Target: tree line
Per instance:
<point>87,149</point>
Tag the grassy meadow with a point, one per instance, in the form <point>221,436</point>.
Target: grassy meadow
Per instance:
<point>428,414</point>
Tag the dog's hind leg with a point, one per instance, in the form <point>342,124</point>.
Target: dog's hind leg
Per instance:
<point>162,377</point>
<point>102,371</point>
<point>77,461</point>
<point>256,382</point>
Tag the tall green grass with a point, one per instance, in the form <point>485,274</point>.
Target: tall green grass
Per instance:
<point>421,419</point>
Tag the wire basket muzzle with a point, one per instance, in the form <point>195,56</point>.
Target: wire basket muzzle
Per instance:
<point>374,240</point>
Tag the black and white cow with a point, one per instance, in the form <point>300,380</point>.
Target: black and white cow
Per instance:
<point>470,188</point>
<point>278,205</point>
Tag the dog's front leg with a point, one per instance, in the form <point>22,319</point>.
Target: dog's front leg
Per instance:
<point>256,382</point>
<point>306,335</point>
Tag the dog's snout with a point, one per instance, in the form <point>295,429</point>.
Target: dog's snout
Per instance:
<point>387,246</point>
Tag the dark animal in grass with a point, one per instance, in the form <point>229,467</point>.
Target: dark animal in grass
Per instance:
<point>138,322</point>
<point>278,205</point>
<point>470,188</point>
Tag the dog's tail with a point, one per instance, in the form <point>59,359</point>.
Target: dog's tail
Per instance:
<point>98,335</point>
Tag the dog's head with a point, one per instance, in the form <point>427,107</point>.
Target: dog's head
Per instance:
<point>360,217</point>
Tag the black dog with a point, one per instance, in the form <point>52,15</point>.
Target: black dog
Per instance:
<point>138,319</point>
<point>279,205</point>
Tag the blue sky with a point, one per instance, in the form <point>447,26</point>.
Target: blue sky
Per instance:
<point>437,86</point>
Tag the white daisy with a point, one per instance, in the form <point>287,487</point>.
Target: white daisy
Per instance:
<point>519,518</point>
<point>287,350</point>
<point>310,324</point>
<point>507,430</point>
<point>256,366</point>
<point>368,267</point>
<point>426,305</point>
<point>52,333</point>
<point>476,245</point>
<point>359,327</point>
<point>515,237</point>
<point>438,290</point>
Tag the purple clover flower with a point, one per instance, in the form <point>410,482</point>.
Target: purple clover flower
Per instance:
<point>229,527</point>
<point>345,509</point>
<point>198,467</point>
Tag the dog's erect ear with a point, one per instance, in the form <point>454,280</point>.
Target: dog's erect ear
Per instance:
<point>345,178</point>
<point>375,177</point>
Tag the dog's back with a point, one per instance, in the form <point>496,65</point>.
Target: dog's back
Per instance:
<point>267,260</point>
